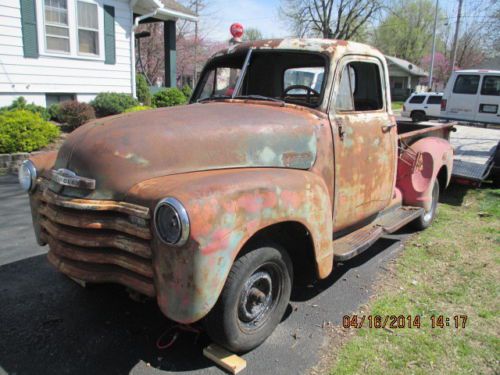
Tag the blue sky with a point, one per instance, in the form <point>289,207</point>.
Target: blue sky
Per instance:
<point>261,14</point>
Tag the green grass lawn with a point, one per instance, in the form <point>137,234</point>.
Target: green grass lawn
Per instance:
<point>397,106</point>
<point>450,269</point>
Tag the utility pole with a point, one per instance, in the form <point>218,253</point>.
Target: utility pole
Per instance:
<point>455,39</point>
<point>433,45</point>
<point>195,73</point>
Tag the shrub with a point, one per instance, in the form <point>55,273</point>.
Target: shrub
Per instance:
<point>187,91</point>
<point>169,97</point>
<point>24,131</point>
<point>142,88</point>
<point>20,103</point>
<point>112,103</point>
<point>55,112</point>
<point>74,113</point>
<point>138,108</point>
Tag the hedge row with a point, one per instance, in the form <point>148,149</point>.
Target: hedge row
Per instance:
<point>24,127</point>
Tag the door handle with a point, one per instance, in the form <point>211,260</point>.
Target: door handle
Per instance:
<point>387,128</point>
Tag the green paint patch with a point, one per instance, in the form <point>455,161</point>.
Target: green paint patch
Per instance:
<point>450,269</point>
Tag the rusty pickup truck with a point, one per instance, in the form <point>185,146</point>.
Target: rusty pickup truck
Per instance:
<point>287,160</point>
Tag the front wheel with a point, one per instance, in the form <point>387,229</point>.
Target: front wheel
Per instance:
<point>427,217</point>
<point>253,301</point>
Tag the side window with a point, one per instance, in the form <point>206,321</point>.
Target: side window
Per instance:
<point>434,99</point>
<point>360,88</point>
<point>344,101</point>
<point>466,84</point>
<point>417,99</point>
<point>491,86</point>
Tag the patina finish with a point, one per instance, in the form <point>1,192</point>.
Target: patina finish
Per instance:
<point>238,166</point>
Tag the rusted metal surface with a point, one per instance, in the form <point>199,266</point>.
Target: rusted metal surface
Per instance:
<point>96,241</point>
<point>237,166</point>
<point>226,208</point>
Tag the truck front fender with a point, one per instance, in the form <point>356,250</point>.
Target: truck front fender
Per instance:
<point>418,168</point>
<point>226,208</point>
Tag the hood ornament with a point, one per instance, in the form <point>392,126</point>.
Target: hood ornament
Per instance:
<point>65,177</point>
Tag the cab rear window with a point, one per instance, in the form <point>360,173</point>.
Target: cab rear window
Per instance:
<point>466,84</point>
<point>417,99</point>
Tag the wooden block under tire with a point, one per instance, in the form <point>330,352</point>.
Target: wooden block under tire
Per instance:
<point>227,360</point>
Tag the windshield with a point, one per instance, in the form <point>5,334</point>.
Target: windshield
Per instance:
<point>293,77</point>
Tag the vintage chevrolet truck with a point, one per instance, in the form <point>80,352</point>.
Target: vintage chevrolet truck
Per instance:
<point>218,207</point>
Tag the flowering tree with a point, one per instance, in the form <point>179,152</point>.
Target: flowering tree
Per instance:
<point>440,72</point>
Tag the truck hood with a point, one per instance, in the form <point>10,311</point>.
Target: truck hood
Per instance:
<point>121,151</point>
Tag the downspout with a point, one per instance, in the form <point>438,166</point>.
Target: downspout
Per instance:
<point>132,42</point>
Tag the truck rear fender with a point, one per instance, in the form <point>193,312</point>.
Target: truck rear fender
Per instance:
<point>418,167</point>
<point>227,209</point>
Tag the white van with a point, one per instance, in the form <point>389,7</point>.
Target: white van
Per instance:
<point>472,95</point>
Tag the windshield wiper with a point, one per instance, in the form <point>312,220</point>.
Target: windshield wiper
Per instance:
<point>213,97</point>
<point>259,97</point>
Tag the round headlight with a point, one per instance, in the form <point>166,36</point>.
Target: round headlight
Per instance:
<point>171,222</point>
<point>27,175</point>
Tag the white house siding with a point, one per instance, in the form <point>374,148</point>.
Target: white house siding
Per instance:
<point>34,77</point>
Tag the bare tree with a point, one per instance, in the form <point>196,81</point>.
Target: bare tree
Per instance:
<point>252,34</point>
<point>336,19</point>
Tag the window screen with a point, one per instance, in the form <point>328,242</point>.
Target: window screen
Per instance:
<point>466,84</point>
<point>56,25</point>
<point>88,28</point>
<point>434,99</point>
<point>417,99</point>
<point>491,86</point>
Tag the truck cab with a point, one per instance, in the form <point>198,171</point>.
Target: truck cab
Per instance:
<point>265,179</point>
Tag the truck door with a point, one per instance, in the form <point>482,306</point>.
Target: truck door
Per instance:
<point>488,104</point>
<point>461,103</point>
<point>365,141</point>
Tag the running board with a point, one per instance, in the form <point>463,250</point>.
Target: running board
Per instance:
<point>354,243</point>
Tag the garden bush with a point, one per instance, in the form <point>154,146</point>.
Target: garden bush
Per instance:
<point>112,103</point>
<point>142,87</point>
<point>138,108</point>
<point>24,131</point>
<point>55,112</point>
<point>74,113</point>
<point>187,91</point>
<point>20,103</point>
<point>169,97</point>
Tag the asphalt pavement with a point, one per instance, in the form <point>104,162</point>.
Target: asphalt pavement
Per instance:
<point>51,325</point>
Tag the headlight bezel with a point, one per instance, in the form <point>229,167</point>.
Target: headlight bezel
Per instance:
<point>30,167</point>
<point>182,216</point>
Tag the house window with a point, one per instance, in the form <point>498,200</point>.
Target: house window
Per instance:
<point>56,25</point>
<point>88,28</point>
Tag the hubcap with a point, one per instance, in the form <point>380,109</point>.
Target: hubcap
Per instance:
<point>258,297</point>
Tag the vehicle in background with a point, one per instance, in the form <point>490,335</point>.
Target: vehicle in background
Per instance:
<point>472,96</point>
<point>311,77</point>
<point>421,106</point>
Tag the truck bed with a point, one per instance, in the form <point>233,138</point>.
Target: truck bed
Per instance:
<point>474,147</point>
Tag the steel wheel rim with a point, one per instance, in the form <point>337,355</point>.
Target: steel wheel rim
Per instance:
<point>259,296</point>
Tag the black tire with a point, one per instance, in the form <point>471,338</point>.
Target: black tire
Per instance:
<point>418,116</point>
<point>253,301</point>
<point>427,217</point>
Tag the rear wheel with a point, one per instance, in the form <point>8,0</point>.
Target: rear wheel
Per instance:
<point>253,301</point>
<point>418,116</point>
<point>427,217</point>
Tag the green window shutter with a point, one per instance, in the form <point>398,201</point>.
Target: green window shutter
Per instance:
<point>109,35</point>
<point>28,23</point>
